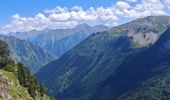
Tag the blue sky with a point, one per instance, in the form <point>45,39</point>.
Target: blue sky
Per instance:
<point>32,7</point>
<point>26,15</point>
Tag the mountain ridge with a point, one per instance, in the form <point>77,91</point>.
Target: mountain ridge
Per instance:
<point>151,62</point>
<point>59,41</point>
<point>99,56</point>
<point>25,52</point>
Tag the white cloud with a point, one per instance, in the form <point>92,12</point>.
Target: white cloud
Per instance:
<point>167,3</point>
<point>122,5</point>
<point>63,17</point>
<point>77,8</point>
<point>151,7</point>
<point>143,8</point>
<point>131,0</point>
<point>57,10</point>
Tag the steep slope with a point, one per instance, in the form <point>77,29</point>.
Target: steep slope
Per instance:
<point>144,31</point>
<point>59,41</point>
<point>156,88</point>
<point>138,68</point>
<point>16,82</point>
<point>25,52</point>
<point>79,72</point>
<point>8,84</point>
<point>10,89</point>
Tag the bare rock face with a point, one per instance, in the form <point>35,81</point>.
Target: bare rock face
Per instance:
<point>10,89</point>
<point>4,83</point>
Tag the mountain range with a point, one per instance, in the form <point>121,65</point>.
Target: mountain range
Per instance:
<point>32,56</point>
<point>59,41</point>
<point>113,63</point>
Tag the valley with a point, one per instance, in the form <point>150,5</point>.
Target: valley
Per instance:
<point>85,50</point>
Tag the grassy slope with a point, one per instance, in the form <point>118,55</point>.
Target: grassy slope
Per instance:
<point>14,89</point>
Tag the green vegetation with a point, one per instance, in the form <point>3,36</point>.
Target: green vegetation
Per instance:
<point>157,88</point>
<point>21,73</point>
<point>32,56</point>
<point>90,70</point>
<point>11,84</point>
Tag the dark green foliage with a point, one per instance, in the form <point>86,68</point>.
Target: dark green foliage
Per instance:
<point>42,90</point>
<point>4,54</point>
<point>31,91</point>
<point>157,88</point>
<point>5,62</point>
<point>22,73</point>
<point>29,81</point>
<point>9,67</point>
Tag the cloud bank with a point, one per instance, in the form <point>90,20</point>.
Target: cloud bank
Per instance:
<point>63,17</point>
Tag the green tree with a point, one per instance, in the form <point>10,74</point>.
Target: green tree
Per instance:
<point>42,90</point>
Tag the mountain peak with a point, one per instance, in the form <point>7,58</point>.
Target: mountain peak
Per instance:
<point>84,25</point>
<point>100,26</point>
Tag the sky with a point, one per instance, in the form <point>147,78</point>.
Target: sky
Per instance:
<point>27,15</point>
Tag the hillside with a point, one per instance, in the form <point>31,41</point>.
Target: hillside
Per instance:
<point>16,82</point>
<point>12,90</point>
<point>154,88</point>
<point>84,71</point>
<point>154,61</point>
<point>8,87</point>
<point>32,56</point>
<point>149,68</point>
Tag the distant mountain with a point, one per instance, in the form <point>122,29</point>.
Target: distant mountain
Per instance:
<point>34,57</point>
<point>26,35</point>
<point>59,41</point>
<point>86,71</point>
